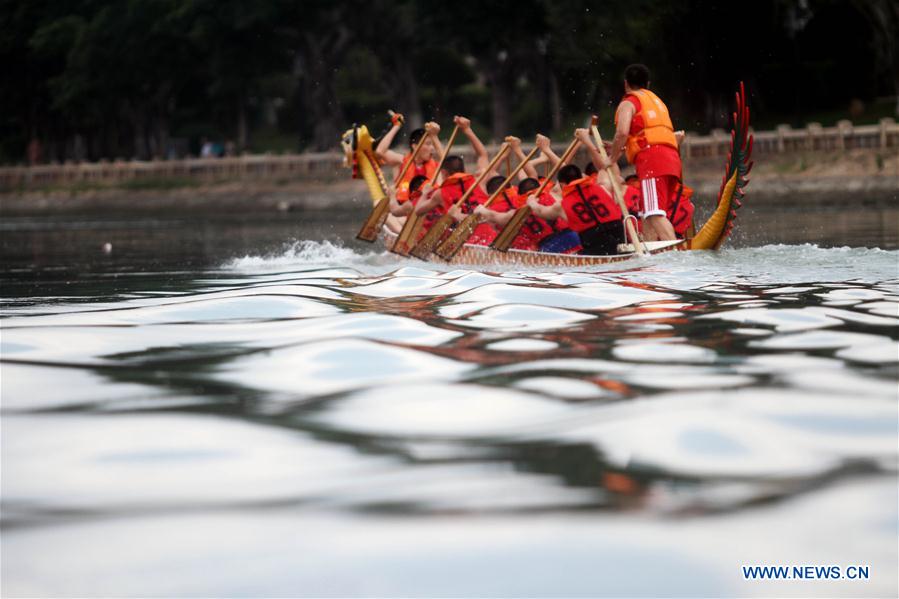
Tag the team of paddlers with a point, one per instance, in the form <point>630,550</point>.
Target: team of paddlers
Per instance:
<point>578,213</point>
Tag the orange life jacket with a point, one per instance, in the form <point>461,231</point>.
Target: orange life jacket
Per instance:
<point>514,198</point>
<point>426,169</point>
<point>657,128</point>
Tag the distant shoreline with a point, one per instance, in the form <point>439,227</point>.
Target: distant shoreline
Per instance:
<point>863,175</point>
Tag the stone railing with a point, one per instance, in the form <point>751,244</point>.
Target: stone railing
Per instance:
<point>207,170</point>
<point>327,165</point>
<point>786,140</point>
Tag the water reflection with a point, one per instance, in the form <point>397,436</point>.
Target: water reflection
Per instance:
<point>692,396</point>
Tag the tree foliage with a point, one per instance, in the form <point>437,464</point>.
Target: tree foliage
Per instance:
<point>93,79</point>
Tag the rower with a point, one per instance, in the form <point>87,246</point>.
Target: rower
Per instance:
<point>527,171</point>
<point>589,209</point>
<point>402,209</point>
<point>631,195</point>
<point>536,233</point>
<point>680,212</point>
<point>643,131</point>
<point>455,183</point>
<point>424,164</point>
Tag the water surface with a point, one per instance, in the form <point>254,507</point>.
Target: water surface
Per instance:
<point>210,410</point>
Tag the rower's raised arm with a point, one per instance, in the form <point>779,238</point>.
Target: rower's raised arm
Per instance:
<point>545,146</point>
<point>383,150</point>
<point>528,170</point>
<point>433,129</point>
<point>464,124</point>
<point>583,136</point>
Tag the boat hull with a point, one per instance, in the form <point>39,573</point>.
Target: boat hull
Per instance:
<point>480,255</point>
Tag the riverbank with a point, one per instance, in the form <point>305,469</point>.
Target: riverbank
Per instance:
<point>809,177</point>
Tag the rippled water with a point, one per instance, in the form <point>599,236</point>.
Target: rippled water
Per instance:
<point>313,419</point>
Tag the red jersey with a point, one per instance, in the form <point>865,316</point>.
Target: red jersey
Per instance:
<point>587,205</point>
<point>652,161</point>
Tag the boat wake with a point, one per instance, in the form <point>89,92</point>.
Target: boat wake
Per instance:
<point>773,263</point>
<point>308,253</point>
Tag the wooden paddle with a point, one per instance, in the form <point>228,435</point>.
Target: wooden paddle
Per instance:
<point>412,227</point>
<point>435,233</point>
<point>504,240</point>
<point>617,192</point>
<point>375,220</point>
<point>464,229</point>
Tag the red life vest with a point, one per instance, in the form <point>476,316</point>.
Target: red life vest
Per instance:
<point>587,205</point>
<point>453,188</point>
<point>428,220</point>
<point>431,216</point>
<point>633,199</point>
<point>426,169</point>
<point>507,200</point>
<point>680,211</point>
<point>512,197</point>
<point>534,229</point>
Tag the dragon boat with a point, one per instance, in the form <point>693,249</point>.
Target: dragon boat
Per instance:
<point>358,146</point>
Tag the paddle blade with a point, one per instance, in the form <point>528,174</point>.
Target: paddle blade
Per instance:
<point>427,244</point>
<point>407,235</point>
<point>457,238</point>
<point>504,240</point>
<point>374,222</point>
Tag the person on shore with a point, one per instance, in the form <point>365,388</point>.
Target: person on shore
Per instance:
<point>590,210</point>
<point>424,164</point>
<point>644,132</point>
<point>207,149</point>
<point>456,182</point>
